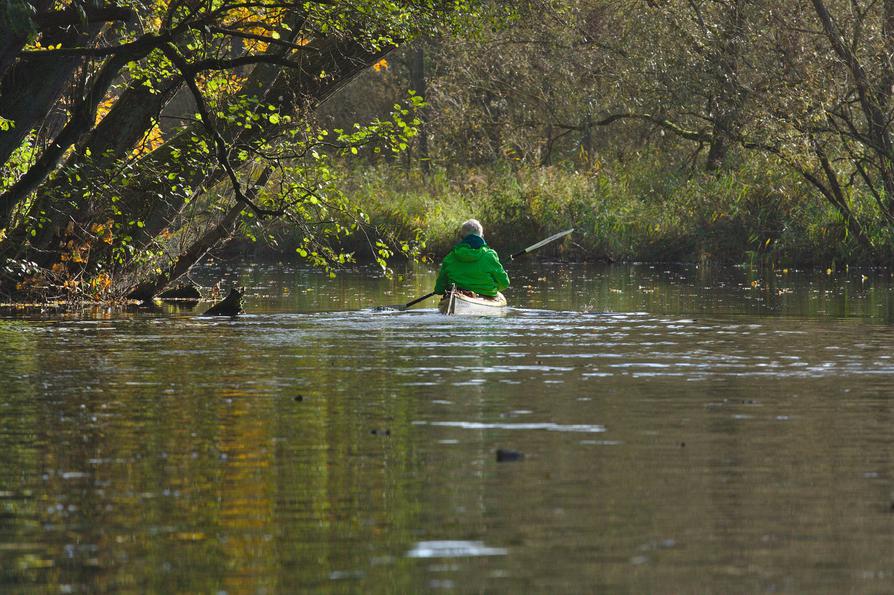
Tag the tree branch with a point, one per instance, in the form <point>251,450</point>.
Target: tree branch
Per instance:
<point>138,46</point>
<point>258,37</point>
<point>660,121</point>
<point>220,145</point>
<point>71,16</point>
<point>185,261</point>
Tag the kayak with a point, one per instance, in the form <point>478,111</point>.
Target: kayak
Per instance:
<point>458,303</point>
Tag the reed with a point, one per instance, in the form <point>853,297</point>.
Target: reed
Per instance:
<point>635,210</point>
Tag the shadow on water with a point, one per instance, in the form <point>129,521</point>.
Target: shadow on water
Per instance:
<point>672,430</point>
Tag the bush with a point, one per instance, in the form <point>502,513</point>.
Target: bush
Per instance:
<point>639,210</point>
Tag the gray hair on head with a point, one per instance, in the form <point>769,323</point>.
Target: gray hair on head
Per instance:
<point>471,226</point>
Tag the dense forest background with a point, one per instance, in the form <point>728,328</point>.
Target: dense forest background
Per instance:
<point>737,131</point>
<point>135,138</point>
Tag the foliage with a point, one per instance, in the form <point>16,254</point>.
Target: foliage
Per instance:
<point>725,129</point>
<point>692,90</point>
<point>195,124</point>
<point>640,210</point>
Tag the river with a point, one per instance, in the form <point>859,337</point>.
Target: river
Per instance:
<point>679,430</point>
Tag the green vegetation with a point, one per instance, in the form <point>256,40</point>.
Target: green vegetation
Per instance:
<point>642,210</point>
<point>137,137</point>
<point>732,130</point>
<point>729,130</point>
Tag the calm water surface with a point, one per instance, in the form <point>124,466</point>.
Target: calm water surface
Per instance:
<point>683,430</point>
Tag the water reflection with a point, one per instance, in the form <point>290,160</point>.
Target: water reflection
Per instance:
<point>682,430</point>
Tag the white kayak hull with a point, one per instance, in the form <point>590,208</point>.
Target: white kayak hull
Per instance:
<point>464,305</point>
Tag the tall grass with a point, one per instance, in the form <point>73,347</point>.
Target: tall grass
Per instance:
<point>641,210</point>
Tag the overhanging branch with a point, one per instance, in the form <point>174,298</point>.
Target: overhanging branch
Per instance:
<point>660,121</point>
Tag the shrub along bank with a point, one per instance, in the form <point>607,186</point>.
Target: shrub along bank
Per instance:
<point>633,211</point>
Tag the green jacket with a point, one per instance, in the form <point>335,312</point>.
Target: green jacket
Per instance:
<point>474,266</point>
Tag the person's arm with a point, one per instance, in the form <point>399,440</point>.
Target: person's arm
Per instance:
<point>499,274</point>
<point>443,279</point>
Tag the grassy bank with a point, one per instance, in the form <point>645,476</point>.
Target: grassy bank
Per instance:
<point>640,210</point>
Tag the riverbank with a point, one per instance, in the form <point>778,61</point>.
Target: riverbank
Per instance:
<point>640,210</point>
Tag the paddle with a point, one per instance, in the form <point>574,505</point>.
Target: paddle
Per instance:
<point>530,248</point>
<point>416,301</point>
<point>541,243</point>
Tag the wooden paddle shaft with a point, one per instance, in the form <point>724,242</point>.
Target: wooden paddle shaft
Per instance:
<point>417,300</point>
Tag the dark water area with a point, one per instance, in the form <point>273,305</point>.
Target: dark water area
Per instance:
<point>683,430</point>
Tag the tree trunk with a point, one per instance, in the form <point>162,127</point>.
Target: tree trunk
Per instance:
<point>546,153</point>
<point>417,83</point>
<point>150,200</point>
<point>82,119</point>
<point>719,145</point>
<point>225,227</point>
<point>10,45</point>
<point>727,104</point>
<point>871,102</point>
<point>62,199</point>
<point>29,92</point>
<point>492,126</point>
<point>586,141</point>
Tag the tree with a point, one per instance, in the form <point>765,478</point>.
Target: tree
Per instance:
<point>108,204</point>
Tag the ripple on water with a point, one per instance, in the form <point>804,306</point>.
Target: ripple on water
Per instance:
<point>269,423</point>
<point>548,426</point>
<point>453,549</point>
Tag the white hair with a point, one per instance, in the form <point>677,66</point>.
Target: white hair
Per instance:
<point>471,226</point>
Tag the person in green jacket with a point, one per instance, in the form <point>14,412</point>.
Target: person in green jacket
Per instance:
<point>472,265</point>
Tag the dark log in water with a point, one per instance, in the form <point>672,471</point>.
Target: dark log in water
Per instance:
<point>229,306</point>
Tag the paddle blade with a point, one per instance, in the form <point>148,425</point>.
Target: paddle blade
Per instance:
<point>551,238</point>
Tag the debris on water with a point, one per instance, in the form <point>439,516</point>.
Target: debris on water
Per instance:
<point>230,306</point>
<point>504,455</point>
<point>454,549</point>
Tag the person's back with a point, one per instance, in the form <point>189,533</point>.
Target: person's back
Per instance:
<point>472,265</point>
